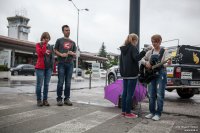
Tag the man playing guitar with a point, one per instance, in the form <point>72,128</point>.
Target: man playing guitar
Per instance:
<point>156,87</point>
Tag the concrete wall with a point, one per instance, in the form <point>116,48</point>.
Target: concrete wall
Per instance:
<point>13,31</point>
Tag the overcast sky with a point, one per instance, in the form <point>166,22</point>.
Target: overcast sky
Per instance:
<point>107,21</point>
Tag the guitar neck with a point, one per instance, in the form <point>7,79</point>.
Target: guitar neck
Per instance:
<point>159,64</point>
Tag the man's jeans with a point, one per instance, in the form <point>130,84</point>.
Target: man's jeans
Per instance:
<point>128,92</point>
<point>156,92</point>
<point>65,71</point>
<point>43,75</point>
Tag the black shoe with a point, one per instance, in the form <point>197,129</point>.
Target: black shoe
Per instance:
<point>45,103</point>
<point>39,103</point>
<point>60,103</point>
<point>68,102</point>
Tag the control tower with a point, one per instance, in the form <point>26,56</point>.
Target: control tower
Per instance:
<point>18,27</point>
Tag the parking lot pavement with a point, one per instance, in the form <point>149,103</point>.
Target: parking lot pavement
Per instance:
<point>19,114</point>
<point>90,113</point>
<point>26,84</point>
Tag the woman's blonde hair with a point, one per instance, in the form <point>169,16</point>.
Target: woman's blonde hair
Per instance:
<point>131,39</point>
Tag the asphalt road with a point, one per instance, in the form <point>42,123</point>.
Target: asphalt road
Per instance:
<point>91,113</point>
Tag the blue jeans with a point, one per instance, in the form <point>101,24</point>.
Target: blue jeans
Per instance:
<point>43,75</point>
<point>65,71</point>
<point>156,92</point>
<point>128,92</point>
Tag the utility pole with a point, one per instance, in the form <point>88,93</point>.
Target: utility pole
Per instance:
<point>134,18</point>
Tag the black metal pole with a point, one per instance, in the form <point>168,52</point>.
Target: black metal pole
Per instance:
<point>134,18</point>
<point>106,77</point>
<point>90,80</point>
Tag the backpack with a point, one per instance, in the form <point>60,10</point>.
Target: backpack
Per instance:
<point>48,59</point>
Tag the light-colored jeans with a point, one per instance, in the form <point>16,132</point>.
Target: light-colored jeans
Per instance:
<point>42,75</point>
<point>156,92</point>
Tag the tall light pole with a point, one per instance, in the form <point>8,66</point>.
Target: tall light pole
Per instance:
<point>134,18</point>
<point>77,49</point>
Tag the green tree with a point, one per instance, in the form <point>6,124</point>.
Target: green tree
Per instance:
<point>103,53</point>
<point>112,62</point>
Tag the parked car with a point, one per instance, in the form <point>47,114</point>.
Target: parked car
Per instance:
<point>182,75</point>
<point>55,70</point>
<point>102,73</point>
<point>79,72</point>
<point>23,69</point>
<point>113,74</point>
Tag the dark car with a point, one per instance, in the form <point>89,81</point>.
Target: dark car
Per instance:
<point>183,74</point>
<point>23,69</point>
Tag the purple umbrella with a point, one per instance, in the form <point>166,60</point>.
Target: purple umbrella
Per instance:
<point>140,93</point>
<point>114,90</point>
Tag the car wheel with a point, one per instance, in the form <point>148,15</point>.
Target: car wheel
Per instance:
<point>111,79</point>
<point>15,73</point>
<point>185,93</point>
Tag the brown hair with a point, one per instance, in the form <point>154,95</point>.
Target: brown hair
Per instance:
<point>45,35</point>
<point>64,26</point>
<point>156,38</point>
<point>132,38</point>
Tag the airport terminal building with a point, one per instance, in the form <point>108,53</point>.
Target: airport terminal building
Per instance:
<point>16,49</point>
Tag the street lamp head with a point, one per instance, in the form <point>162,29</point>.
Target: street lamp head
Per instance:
<point>69,0</point>
<point>85,9</point>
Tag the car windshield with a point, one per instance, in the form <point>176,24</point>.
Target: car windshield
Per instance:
<point>19,66</point>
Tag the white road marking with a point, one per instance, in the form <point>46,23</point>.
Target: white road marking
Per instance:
<point>162,126</point>
<point>2,107</point>
<point>29,115</point>
<point>81,124</point>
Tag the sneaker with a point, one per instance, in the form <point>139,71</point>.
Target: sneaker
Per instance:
<point>149,116</point>
<point>60,103</point>
<point>39,103</point>
<point>45,103</point>
<point>131,115</point>
<point>156,118</point>
<point>123,113</point>
<point>68,102</point>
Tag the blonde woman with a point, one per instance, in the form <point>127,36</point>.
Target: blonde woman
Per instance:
<point>129,69</point>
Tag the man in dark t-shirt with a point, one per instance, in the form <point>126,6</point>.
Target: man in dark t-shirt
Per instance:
<point>65,49</point>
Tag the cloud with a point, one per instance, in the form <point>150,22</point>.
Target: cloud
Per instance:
<point>172,19</point>
<point>107,20</point>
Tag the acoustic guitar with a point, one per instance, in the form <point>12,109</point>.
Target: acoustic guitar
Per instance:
<point>147,75</point>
